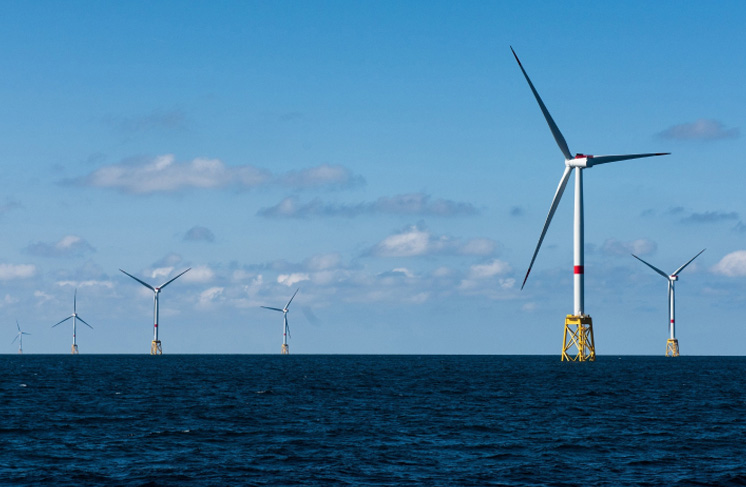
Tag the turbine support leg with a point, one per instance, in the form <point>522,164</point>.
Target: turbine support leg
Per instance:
<point>285,349</point>
<point>155,348</point>
<point>74,349</point>
<point>578,344</point>
<point>672,347</point>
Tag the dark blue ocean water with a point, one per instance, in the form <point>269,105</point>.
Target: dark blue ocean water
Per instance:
<point>371,420</point>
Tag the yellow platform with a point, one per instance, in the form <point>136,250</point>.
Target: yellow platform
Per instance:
<point>578,344</point>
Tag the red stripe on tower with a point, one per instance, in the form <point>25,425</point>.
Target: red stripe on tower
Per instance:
<point>579,269</point>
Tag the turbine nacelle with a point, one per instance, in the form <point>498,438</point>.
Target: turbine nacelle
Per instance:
<point>673,278</point>
<point>580,160</point>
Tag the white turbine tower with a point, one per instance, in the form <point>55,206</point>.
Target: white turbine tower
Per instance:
<point>75,319</point>
<point>19,337</point>
<point>155,345</point>
<point>672,344</point>
<point>285,326</point>
<point>579,325</point>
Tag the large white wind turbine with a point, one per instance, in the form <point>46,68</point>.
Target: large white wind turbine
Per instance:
<point>285,326</point>
<point>19,337</point>
<point>581,335</point>
<point>155,345</point>
<point>672,344</point>
<point>75,319</point>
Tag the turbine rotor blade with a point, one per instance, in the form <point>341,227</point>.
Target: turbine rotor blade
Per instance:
<point>652,267</point>
<point>138,280</point>
<point>676,272</point>
<point>59,323</point>
<point>558,137</point>
<point>550,215</point>
<point>75,301</point>
<point>16,338</point>
<point>291,299</point>
<point>173,279</point>
<point>273,309</point>
<point>596,160</point>
<point>86,324</point>
<point>18,326</point>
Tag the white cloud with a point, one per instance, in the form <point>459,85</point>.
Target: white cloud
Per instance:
<point>9,272</point>
<point>494,268</point>
<point>209,296</point>
<point>88,283</point>
<point>164,174</point>
<point>161,272</point>
<point>415,241</point>
<point>702,129</point>
<point>732,265</point>
<point>290,279</point>
<point>409,243</point>
<point>640,246</point>
<point>324,175</point>
<point>419,204</point>
<point>67,246</point>
<point>200,274</point>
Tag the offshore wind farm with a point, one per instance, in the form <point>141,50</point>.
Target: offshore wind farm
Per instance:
<point>401,188</point>
<point>387,159</point>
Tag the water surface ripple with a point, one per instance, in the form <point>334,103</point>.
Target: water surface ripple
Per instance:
<point>371,420</point>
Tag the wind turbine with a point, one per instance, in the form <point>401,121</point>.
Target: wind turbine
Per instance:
<point>19,337</point>
<point>672,344</point>
<point>155,345</point>
<point>75,318</point>
<point>579,325</point>
<point>286,327</point>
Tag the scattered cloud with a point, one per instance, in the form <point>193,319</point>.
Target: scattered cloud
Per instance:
<point>493,270</point>
<point>156,120</point>
<point>8,206</point>
<point>417,204</point>
<point>416,241</point>
<point>88,283</point>
<point>210,296</point>
<point>9,272</point>
<point>199,274</point>
<point>67,246</point>
<point>710,217</point>
<point>640,246</point>
<point>163,174</point>
<point>199,234</point>
<point>732,265</point>
<point>323,176</point>
<point>291,279</point>
<point>517,211</point>
<point>702,129</point>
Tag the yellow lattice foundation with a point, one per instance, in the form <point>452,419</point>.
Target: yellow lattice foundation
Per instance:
<point>672,347</point>
<point>578,339</point>
<point>155,348</point>
<point>74,349</point>
<point>285,349</point>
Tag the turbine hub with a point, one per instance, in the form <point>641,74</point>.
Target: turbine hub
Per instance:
<point>580,160</point>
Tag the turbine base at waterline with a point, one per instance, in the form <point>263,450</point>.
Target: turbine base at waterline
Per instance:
<point>285,349</point>
<point>155,348</point>
<point>74,349</point>
<point>577,343</point>
<point>672,347</point>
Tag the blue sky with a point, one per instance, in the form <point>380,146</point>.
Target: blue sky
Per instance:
<point>387,158</point>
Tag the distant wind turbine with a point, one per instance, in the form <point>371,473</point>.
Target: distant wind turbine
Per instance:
<point>19,337</point>
<point>286,327</point>
<point>672,344</point>
<point>578,326</point>
<point>155,345</point>
<point>75,319</point>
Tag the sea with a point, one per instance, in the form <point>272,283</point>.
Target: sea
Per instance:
<point>371,420</point>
